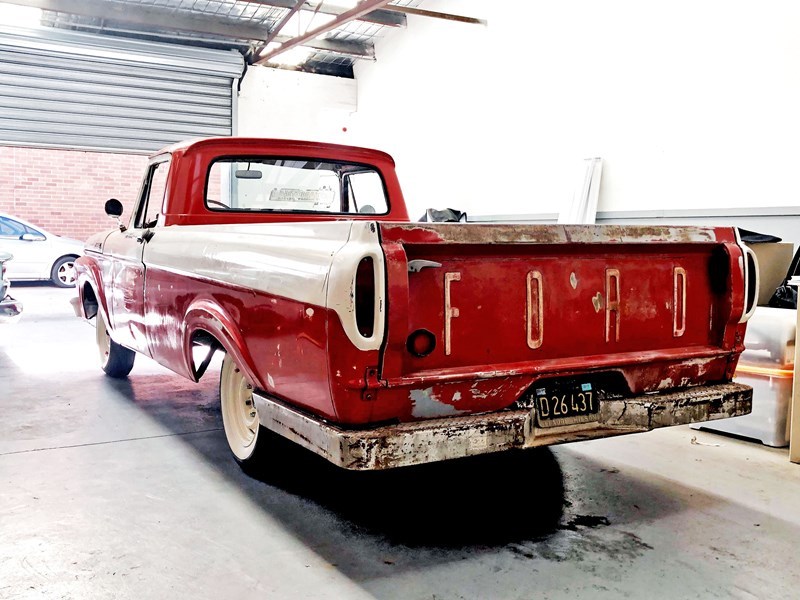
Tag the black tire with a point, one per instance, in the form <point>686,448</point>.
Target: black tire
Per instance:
<point>63,272</point>
<point>115,360</point>
<point>249,442</point>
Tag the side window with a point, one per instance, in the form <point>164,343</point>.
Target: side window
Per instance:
<point>34,232</point>
<point>11,229</point>
<point>366,194</point>
<point>152,196</point>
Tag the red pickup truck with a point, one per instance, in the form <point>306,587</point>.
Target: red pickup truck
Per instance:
<point>377,342</point>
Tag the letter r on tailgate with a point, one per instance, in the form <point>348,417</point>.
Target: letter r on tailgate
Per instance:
<point>450,312</point>
<point>612,304</point>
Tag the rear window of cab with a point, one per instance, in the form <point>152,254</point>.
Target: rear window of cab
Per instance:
<point>269,184</point>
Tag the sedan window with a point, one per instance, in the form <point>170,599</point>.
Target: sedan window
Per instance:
<point>11,229</point>
<point>35,232</point>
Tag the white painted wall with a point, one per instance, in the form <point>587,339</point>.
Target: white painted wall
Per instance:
<point>690,104</point>
<point>302,106</point>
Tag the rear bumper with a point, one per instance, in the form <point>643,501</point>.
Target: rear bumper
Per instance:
<point>455,437</point>
<point>10,310</point>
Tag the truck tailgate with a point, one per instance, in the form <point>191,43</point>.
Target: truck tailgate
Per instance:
<point>659,306</point>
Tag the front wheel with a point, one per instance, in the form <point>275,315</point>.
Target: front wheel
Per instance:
<point>247,439</point>
<point>63,272</point>
<point>115,360</point>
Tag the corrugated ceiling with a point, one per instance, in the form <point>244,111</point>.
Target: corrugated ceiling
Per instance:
<point>235,24</point>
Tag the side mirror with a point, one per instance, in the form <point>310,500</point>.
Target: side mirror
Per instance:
<point>31,237</point>
<point>114,208</point>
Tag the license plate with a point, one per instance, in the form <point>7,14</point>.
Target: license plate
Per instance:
<point>566,403</point>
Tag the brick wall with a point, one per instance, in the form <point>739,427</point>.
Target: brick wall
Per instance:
<point>64,191</point>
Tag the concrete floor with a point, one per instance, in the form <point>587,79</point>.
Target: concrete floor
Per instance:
<point>125,489</point>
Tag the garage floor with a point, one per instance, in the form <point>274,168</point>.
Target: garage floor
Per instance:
<point>125,489</point>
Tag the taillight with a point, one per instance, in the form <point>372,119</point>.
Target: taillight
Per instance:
<point>750,267</point>
<point>365,297</point>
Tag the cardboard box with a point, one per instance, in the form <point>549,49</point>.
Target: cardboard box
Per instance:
<point>773,262</point>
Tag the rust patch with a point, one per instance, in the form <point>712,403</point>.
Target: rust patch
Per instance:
<point>426,405</point>
<point>520,233</point>
<point>691,405</point>
<point>466,435</point>
<point>597,302</point>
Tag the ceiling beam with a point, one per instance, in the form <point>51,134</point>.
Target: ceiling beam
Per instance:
<point>344,47</point>
<point>421,12</point>
<point>151,16</point>
<point>363,8</point>
<point>387,17</point>
<point>282,23</point>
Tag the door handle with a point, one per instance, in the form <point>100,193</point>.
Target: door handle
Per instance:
<point>145,237</point>
<point>415,266</point>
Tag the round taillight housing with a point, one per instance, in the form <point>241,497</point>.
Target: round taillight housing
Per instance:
<point>421,343</point>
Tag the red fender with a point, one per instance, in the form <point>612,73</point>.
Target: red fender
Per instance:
<point>205,315</point>
<point>89,271</point>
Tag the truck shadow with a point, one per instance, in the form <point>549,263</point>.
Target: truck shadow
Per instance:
<point>484,500</point>
<point>540,505</point>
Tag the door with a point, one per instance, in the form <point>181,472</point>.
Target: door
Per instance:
<point>126,248</point>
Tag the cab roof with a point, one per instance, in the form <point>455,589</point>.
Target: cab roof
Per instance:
<point>245,145</point>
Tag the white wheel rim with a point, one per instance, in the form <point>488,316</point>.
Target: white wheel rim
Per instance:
<point>103,339</point>
<point>66,273</point>
<point>239,415</point>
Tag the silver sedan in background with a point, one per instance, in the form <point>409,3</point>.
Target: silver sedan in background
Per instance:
<point>37,253</point>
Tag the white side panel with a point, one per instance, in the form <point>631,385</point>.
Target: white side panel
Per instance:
<point>341,291</point>
<point>305,262</point>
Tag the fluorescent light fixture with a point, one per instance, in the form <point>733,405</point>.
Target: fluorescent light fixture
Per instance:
<point>20,16</point>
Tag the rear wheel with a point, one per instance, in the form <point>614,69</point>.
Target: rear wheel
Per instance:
<point>247,439</point>
<point>63,272</point>
<point>115,360</point>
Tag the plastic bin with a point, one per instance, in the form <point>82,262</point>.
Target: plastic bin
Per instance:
<point>767,365</point>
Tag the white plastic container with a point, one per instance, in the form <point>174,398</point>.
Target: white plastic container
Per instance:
<point>767,365</point>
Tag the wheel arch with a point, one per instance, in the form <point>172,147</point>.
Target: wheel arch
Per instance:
<point>91,292</point>
<point>209,324</point>
<point>88,300</point>
<point>68,255</point>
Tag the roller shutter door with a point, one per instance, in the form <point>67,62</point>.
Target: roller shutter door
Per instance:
<point>81,91</point>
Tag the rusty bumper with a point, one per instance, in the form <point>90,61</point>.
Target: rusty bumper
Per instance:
<point>441,439</point>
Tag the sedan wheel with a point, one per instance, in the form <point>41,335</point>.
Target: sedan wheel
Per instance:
<point>63,272</point>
